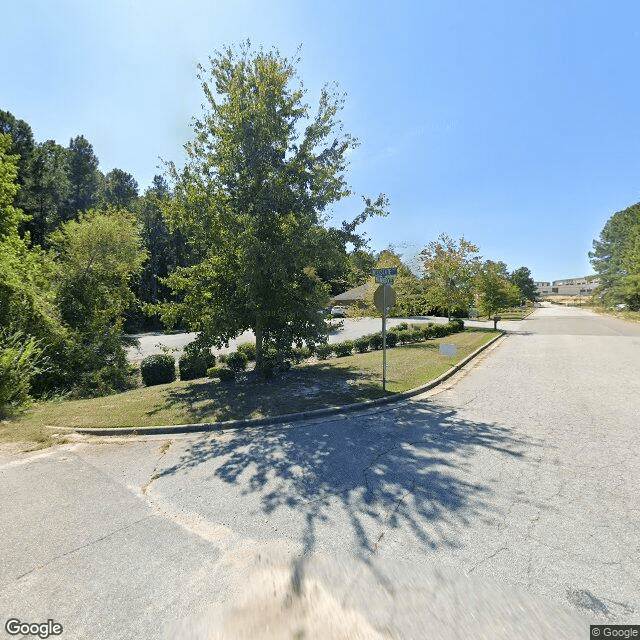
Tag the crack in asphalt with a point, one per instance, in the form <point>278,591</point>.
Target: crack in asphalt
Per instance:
<point>84,546</point>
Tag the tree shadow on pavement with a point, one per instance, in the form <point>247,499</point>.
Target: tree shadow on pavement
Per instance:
<point>400,471</point>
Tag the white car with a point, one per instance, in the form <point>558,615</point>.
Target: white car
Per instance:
<point>338,312</point>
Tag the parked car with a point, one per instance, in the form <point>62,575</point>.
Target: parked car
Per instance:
<point>338,312</point>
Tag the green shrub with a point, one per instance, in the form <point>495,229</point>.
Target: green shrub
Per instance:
<point>237,361</point>
<point>416,334</point>
<point>158,369</point>
<point>20,357</point>
<point>195,365</point>
<point>301,353</point>
<point>439,330</point>
<point>375,341</point>
<point>323,351</point>
<point>222,357</point>
<point>427,332</point>
<point>361,344</point>
<point>392,339</point>
<point>343,348</point>
<point>404,336</point>
<point>224,373</point>
<point>458,323</point>
<point>403,326</point>
<point>249,349</point>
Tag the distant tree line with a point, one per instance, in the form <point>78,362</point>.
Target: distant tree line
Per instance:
<point>449,278</point>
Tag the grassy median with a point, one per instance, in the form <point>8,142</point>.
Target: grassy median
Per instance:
<point>311,385</point>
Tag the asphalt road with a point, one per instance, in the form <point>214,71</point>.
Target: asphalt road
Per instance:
<point>506,504</point>
<point>350,329</point>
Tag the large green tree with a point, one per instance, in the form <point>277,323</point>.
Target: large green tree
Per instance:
<point>494,289</point>
<point>21,146</point>
<point>84,177</point>
<point>449,268</point>
<point>616,258</point>
<point>97,256</point>
<point>252,198</point>
<point>50,190</point>
<point>522,279</point>
<point>120,189</point>
<point>26,323</point>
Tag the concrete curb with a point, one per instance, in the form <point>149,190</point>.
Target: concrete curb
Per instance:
<point>290,417</point>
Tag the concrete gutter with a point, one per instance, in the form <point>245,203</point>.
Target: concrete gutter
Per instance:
<point>290,417</point>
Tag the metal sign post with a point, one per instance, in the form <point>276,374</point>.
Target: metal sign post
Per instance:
<point>384,297</point>
<point>384,337</point>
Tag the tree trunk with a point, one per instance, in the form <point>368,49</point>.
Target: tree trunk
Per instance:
<point>258,332</point>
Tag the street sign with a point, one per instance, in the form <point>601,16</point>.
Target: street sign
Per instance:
<point>385,279</point>
<point>379,295</point>
<point>390,271</point>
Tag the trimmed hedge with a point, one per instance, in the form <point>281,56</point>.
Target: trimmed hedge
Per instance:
<point>323,351</point>
<point>237,361</point>
<point>361,345</point>
<point>249,349</point>
<point>392,339</point>
<point>195,365</point>
<point>158,369</point>
<point>343,348</point>
<point>223,373</point>
<point>300,353</point>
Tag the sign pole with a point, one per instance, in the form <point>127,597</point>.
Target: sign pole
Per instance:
<point>384,337</point>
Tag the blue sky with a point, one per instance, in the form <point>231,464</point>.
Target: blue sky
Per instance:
<point>515,124</point>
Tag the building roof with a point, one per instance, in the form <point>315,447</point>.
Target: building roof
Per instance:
<point>353,295</point>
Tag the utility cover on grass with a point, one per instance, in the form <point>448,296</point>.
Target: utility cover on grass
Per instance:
<point>448,350</point>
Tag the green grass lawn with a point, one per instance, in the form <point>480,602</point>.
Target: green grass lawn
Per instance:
<point>308,386</point>
<point>515,313</point>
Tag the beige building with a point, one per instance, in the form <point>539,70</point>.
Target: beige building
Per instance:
<point>567,287</point>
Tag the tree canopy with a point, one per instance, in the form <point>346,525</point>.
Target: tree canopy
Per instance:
<point>522,279</point>
<point>252,198</point>
<point>449,268</point>
<point>494,289</point>
<point>616,258</point>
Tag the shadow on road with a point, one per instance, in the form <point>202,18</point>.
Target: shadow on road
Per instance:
<point>402,470</point>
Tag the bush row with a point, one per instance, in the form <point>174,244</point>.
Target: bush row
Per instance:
<point>400,334</point>
<point>160,369</point>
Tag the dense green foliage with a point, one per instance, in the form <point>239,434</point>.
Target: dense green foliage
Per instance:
<point>261,171</point>
<point>158,369</point>
<point>616,258</point>
<point>494,289</point>
<point>449,268</point>
<point>20,359</point>
<point>195,364</point>
<point>522,279</point>
<point>237,361</point>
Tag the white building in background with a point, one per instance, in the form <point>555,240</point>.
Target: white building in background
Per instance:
<point>567,287</point>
